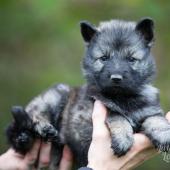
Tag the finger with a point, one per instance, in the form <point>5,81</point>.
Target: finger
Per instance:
<point>98,117</point>
<point>67,159</point>
<point>141,142</point>
<point>99,113</point>
<point>168,116</point>
<point>142,150</point>
<point>141,146</point>
<point>44,155</point>
<point>32,155</point>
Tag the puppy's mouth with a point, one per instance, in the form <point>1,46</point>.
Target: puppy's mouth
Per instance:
<point>116,85</point>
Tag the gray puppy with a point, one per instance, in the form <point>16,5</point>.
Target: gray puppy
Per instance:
<point>119,69</point>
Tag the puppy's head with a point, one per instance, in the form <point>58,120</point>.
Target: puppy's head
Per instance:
<point>118,55</point>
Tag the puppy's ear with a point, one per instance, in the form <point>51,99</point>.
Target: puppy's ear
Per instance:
<point>146,28</point>
<point>20,116</point>
<point>87,31</point>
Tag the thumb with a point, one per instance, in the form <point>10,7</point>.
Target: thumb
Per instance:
<point>98,117</point>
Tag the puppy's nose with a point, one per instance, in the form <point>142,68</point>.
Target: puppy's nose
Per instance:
<point>116,78</point>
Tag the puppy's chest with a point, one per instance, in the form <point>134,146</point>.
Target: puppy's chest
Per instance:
<point>76,122</point>
<point>80,121</point>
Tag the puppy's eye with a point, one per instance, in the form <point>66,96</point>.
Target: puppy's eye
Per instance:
<point>131,59</point>
<point>104,58</point>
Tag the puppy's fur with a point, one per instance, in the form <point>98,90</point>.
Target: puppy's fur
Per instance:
<point>119,69</point>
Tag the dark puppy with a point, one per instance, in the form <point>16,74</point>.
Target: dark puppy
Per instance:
<point>119,69</point>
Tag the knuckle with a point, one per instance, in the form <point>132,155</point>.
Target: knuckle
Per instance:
<point>99,135</point>
<point>32,159</point>
<point>136,148</point>
<point>21,168</point>
<point>44,161</point>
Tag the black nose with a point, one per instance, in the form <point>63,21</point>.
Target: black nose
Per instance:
<point>116,78</point>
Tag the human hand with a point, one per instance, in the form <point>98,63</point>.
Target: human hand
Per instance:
<point>100,155</point>
<point>38,157</point>
<point>12,160</point>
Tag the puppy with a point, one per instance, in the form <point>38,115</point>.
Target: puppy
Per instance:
<point>119,69</point>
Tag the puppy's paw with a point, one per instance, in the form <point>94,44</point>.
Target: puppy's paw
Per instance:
<point>38,125</point>
<point>157,128</point>
<point>121,146</point>
<point>46,131</point>
<point>161,140</point>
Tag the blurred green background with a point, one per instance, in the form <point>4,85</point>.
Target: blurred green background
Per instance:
<point>40,44</point>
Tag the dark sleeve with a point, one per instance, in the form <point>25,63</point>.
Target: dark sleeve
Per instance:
<point>85,168</point>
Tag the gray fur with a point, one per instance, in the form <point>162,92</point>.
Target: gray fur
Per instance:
<point>118,48</point>
<point>121,133</point>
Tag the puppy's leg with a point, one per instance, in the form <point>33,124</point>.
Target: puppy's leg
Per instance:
<point>157,129</point>
<point>121,133</point>
<point>38,119</point>
<point>45,110</point>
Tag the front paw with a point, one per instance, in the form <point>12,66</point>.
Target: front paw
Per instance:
<point>49,133</point>
<point>161,140</point>
<point>121,146</point>
<point>37,125</point>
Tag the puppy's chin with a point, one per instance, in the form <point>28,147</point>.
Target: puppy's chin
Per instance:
<point>115,89</point>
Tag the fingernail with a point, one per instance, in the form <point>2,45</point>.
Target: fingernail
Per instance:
<point>98,103</point>
<point>67,153</point>
<point>66,148</point>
